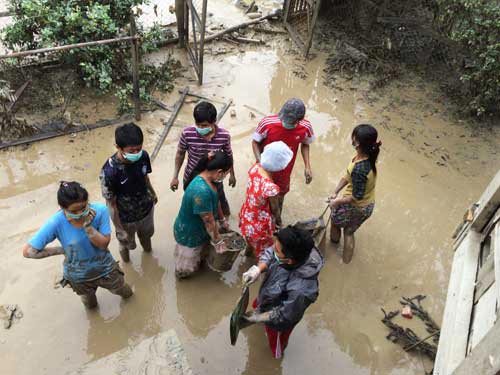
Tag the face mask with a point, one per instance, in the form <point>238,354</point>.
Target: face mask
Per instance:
<point>133,157</point>
<point>69,215</point>
<point>278,259</point>
<point>355,145</point>
<point>288,126</point>
<point>203,131</point>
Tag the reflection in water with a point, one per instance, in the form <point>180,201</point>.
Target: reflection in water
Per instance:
<point>203,301</point>
<point>136,318</point>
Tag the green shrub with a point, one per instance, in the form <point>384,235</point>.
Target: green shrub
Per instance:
<point>48,23</point>
<point>475,25</point>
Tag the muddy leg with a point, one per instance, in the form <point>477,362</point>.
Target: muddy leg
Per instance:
<point>348,246</point>
<point>335,233</point>
<point>126,240</point>
<point>125,291</point>
<point>115,283</point>
<point>145,231</point>
<point>89,300</point>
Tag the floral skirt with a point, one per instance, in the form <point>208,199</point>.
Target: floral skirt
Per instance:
<point>350,216</point>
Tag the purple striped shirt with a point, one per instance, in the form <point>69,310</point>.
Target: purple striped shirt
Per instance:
<point>197,146</point>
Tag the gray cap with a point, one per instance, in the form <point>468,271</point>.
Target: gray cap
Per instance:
<point>292,111</point>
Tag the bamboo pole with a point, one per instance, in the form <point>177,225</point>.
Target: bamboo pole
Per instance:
<point>54,134</point>
<point>169,123</point>
<point>224,110</point>
<point>135,68</point>
<point>67,47</point>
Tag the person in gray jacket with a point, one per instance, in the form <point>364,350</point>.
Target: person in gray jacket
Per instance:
<point>290,285</point>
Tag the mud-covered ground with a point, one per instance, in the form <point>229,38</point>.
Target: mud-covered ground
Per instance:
<point>432,167</point>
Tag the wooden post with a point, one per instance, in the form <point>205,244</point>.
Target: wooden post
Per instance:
<point>180,6</point>
<point>202,40</point>
<point>135,69</point>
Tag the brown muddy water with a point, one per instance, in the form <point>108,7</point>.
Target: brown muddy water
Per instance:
<point>403,250</point>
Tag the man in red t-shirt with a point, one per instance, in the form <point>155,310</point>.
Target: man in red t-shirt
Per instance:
<point>289,126</point>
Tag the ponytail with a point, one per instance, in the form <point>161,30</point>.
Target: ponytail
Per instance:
<point>366,135</point>
<point>211,161</point>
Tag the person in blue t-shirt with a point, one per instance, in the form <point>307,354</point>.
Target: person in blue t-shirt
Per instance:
<point>84,232</point>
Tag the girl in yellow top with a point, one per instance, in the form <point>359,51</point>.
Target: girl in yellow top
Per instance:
<point>356,204</point>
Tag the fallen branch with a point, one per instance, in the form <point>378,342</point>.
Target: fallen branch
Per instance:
<point>162,105</point>
<point>194,95</point>
<point>242,26</point>
<point>250,7</point>
<point>405,336</point>
<point>17,95</point>
<point>248,40</point>
<point>169,123</point>
<point>229,29</point>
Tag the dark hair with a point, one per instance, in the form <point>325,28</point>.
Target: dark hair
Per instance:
<point>297,243</point>
<point>205,111</point>
<point>367,135</point>
<point>71,192</point>
<point>211,162</point>
<point>128,135</point>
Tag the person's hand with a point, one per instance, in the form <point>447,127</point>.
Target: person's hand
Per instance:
<point>252,317</point>
<point>232,180</point>
<point>121,235</point>
<point>331,198</point>
<point>87,221</point>
<point>174,184</point>
<point>251,275</point>
<point>220,246</point>
<point>224,225</point>
<point>308,174</point>
<point>335,202</point>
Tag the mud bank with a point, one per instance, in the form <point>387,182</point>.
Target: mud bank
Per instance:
<point>404,249</point>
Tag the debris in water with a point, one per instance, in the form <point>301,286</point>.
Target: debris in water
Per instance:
<point>406,312</point>
<point>233,113</point>
<point>405,336</point>
<point>12,312</point>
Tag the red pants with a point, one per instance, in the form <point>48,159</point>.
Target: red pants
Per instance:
<point>278,340</point>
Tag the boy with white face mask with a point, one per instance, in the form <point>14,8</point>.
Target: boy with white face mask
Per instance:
<point>128,192</point>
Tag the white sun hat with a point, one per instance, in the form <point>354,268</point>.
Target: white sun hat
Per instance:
<point>276,156</point>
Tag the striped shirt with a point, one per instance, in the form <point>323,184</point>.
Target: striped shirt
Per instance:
<point>270,129</point>
<point>197,146</point>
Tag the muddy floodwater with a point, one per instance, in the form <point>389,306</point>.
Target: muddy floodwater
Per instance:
<point>432,167</point>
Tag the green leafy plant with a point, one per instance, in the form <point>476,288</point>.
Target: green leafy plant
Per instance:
<point>475,25</point>
<point>48,23</point>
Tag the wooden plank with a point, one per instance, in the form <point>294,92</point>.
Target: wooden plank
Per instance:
<point>485,358</point>
<point>485,278</point>
<point>484,316</point>
<point>446,336</point>
<point>495,245</point>
<point>458,347</point>
<point>169,123</point>
<point>488,204</point>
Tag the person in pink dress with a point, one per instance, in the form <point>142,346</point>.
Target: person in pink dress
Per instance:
<point>260,214</point>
